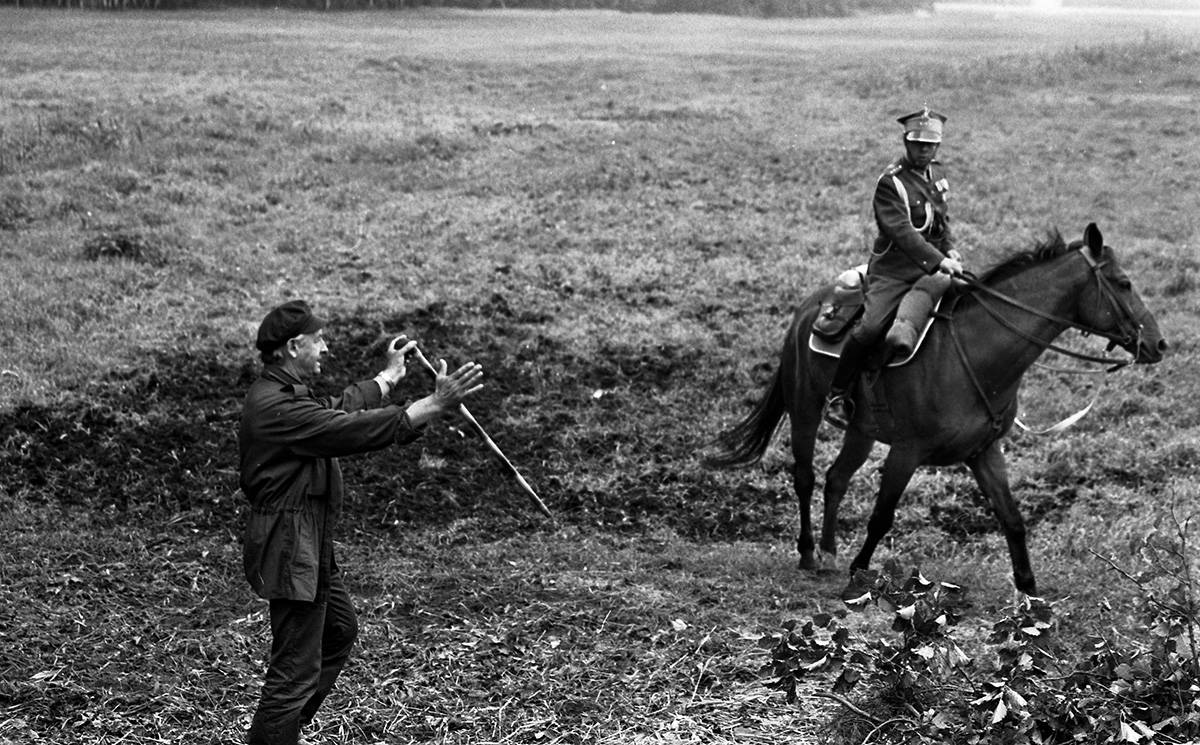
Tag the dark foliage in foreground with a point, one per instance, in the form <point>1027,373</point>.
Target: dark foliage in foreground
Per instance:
<point>1032,688</point>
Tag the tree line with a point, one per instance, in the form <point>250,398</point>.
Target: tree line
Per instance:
<point>754,8</point>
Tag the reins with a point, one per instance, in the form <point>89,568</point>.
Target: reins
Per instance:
<point>1102,283</point>
<point>1106,291</point>
<point>1066,422</point>
<point>994,417</point>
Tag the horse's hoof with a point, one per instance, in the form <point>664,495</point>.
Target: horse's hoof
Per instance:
<point>1030,591</point>
<point>827,562</point>
<point>856,598</point>
<point>857,593</point>
<point>807,562</point>
<point>1026,586</point>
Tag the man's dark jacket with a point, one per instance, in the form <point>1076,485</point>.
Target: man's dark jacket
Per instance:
<point>289,442</point>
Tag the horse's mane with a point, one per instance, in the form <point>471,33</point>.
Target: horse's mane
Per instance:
<point>1050,248</point>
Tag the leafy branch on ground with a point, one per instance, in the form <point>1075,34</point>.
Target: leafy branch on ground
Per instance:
<point>1032,690</point>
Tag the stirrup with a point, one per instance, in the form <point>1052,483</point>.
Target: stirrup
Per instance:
<point>839,410</point>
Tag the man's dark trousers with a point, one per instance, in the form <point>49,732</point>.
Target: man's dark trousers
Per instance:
<point>310,643</point>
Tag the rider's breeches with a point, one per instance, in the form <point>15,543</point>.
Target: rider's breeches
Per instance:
<point>915,302</point>
<point>918,303</point>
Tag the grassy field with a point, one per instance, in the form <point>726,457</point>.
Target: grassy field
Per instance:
<point>614,214</point>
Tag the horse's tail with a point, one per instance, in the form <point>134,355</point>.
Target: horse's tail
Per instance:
<point>744,443</point>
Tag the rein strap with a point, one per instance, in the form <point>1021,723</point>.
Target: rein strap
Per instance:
<point>1115,363</point>
<point>994,417</point>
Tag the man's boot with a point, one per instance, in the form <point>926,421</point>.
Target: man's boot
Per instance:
<point>902,339</point>
<point>839,407</point>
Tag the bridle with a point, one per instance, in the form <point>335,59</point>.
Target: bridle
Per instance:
<point>1130,331</point>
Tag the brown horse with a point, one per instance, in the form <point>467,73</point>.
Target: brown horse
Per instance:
<point>955,400</point>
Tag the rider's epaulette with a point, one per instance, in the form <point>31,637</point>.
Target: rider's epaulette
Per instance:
<point>893,169</point>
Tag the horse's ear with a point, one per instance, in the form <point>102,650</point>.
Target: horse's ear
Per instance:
<point>1093,239</point>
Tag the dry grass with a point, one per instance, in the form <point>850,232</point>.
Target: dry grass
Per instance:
<point>558,635</point>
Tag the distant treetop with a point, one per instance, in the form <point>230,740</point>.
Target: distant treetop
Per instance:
<point>752,8</point>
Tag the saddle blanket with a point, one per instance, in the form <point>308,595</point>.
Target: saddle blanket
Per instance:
<point>829,348</point>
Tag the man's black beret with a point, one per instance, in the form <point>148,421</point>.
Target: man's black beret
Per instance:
<point>288,321</point>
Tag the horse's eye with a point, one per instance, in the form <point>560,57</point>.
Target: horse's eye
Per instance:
<point>1124,283</point>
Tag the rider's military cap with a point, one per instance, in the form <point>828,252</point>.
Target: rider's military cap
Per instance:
<point>923,126</point>
<point>287,321</point>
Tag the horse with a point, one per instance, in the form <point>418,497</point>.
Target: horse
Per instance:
<point>956,399</point>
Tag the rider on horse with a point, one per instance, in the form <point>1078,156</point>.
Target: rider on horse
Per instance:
<point>913,260</point>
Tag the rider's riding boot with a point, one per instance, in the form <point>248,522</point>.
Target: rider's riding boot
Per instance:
<point>839,407</point>
<point>902,339</point>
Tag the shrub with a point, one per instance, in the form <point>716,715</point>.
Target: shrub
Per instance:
<point>13,212</point>
<point>131,246</point>
<point>1033,690</point>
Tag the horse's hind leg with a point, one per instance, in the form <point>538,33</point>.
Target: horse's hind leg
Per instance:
<point>898,469</point>
<point>992,475</point>
<point>804,440</point>
<point>856,448</point>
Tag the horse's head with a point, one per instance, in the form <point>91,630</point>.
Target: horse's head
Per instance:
<point>1110,306</point>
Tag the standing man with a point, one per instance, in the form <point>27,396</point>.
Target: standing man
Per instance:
<point>912,262</point>
<point>289,443</point>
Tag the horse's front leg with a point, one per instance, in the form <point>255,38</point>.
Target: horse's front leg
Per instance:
<point>898,469</point>
<point>856,448</point>
<point>991,473</point>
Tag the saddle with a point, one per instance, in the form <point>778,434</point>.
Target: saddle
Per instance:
<point>842,307</point>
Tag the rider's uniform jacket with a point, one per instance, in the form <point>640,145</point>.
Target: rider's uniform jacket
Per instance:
<point>914,229</point>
